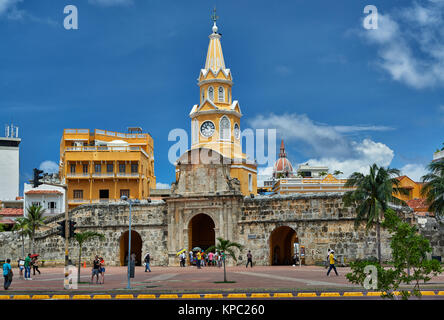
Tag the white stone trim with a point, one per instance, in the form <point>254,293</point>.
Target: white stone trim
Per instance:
<point>243,167</point>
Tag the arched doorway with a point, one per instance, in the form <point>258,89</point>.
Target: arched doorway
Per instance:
<point>136,247</point>
<point>282,241</point>
<point>201,232</point>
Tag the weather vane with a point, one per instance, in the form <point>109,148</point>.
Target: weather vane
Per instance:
<point>213,16</point>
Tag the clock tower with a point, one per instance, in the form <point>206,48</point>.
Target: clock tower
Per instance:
<point>215,121</point>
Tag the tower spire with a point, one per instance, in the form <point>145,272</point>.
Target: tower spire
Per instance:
<point>215,57</point>
<point>282,154</point>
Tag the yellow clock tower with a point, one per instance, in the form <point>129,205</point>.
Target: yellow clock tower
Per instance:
<point>215,122</point>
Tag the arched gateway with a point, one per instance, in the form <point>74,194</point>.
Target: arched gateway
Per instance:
<point>282,240</point>
<point>201,232</point>
<point>136,247</point>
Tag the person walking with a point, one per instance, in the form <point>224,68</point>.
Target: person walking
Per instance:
<point>249,259</point>
<point>184,259</point>
<point>102,269</point>
<point>21,266</point>
<point>28,267</point>
<point>147,260</point>
<point>35,265</point>
<point>7,274</point>
<point>332,263</point>
<point>95,270</point>
<point>191,258</point>
<point>327,261</point>
<point>210,258</point>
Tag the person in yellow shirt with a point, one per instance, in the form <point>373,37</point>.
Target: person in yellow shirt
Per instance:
<point>199,257</point>
<point>332,263</point>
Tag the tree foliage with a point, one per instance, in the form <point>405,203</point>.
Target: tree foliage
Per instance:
<point>409,253</point>
<point>225,247</point>
<point>433,188</point>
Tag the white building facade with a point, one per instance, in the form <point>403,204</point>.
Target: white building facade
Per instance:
<point>51,198</point>
<point>9,164</point>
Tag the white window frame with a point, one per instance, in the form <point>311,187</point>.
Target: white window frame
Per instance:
<point>221,95</point>
<point>211,93</point>
<point>222,135</point>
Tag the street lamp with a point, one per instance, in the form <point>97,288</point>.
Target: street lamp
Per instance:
<point>125,198</point>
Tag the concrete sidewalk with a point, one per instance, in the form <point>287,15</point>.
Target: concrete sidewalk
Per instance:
<point>191,279</point>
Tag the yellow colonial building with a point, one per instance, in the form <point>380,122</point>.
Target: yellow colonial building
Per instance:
<point>215,121</point>
<point>102,166</point>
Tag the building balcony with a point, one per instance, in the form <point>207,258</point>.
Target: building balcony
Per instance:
<point>106,149</point>
<point>78,175</point>
<point>103,175</point>
<point>78,201</point>
<point>127,175</point>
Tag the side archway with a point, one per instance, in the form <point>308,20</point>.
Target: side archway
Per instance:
<point>282,240</point>
<point>136,247</point>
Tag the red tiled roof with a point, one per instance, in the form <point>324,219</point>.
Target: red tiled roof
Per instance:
<point>43,192</point>
<point>417,204</point>
<point>7,221</point>
<point>18,198</point>
<point>11,212</point>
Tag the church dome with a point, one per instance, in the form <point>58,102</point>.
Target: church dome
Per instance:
<point>282,166</point>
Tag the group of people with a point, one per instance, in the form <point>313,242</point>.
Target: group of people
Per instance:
<point>26,264</point>
<point>98,269</point>
<point>201,259</point>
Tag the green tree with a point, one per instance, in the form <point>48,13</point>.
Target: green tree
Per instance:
<point>433,188</point>
<point>21,226</point>
<point>81,238</point>
<point>409,250</point>
<point>225,247</point>
<point>372,196</point>
<point>34,221</point>
<point>323,173</point>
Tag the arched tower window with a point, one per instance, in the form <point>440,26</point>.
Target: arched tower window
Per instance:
<point>221,94</point>
<point>211,93</point>
<point>225,128</point>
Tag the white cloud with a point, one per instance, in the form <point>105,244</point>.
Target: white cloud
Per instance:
<point>410,44</point>
<point>110,3</point>
<point>160,185</point>
<point>9,9</point>
<point>326,145</point>
<point>414,171</point>
<point>49,166</point>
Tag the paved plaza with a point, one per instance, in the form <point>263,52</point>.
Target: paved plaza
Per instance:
<point>192,280</point>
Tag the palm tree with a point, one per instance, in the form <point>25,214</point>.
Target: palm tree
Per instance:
<point>337,172</point>
<point>81,238</point>
<point>323,173</point>
<point>433,188</point>
<point>225,247</point>
<point>34,220</point>
<point>22,228</point>
<point>372,195</point>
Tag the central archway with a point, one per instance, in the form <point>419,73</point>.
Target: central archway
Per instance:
<point>201,232</point>
<point>282,240</point>
<point>136,247</point>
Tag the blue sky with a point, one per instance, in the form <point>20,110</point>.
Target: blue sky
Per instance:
<point>339,94</point>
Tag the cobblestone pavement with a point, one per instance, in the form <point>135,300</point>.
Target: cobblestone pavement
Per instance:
<point>191,279</point>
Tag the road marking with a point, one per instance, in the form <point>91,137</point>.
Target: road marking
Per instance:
<point>81,297</point>
<point>3,297</point>
<point>236,295</point>
<point>353,294</point>
<point>40,297</point>
<point>260,295</point>
<point>22,297</point>
<point>102,296</point>
<point>305,281</point>
<point>428,293</point>
<point>307,294</point>
<point>60,297</point>
<point>191,296</point>
<point>213,296</point>
<point>330,294</point>
<point>283,295</point>
<point>374,294</point>
<point>168,296</point>
<point>441,293</point>
<point>146,296</point>
<point>124,296</point>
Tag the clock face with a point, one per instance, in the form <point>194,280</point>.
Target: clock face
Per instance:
<point>236,131</point>
<point>207,129</point>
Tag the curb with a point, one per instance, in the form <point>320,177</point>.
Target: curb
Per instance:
<point>206,296</point>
